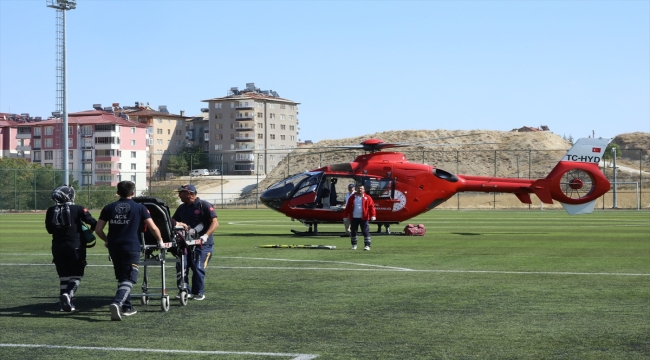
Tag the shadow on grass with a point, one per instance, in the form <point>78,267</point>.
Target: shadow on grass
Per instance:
<point>467,234</point>
<point>87,309</point>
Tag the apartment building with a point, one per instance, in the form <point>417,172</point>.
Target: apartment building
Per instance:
<point>103,149</point>
<point>15,142</point>
<point>197,130</point>
<point>166,132</point>
<point>251,130</point>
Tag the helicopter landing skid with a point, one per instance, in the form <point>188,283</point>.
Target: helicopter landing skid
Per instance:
<point>340,234</point>
<point>313,231</point>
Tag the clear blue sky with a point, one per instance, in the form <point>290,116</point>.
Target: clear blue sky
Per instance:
<point>356,67</point>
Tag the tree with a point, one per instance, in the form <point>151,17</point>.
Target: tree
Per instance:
<point>178,165</point>
<point>608,155</point>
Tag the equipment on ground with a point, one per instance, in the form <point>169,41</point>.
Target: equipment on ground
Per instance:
<point>326,247</point>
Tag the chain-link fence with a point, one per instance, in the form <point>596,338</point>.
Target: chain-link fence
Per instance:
<point>30,189</point>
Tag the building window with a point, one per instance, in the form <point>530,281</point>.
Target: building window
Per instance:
<point>232,106</point>
<point>49,130</point>
<point>218,136</point>
<point>158,162</point>
<point>133,154</point>
<point>48,155</point>
<point>260,136</point>
<point>178,132</point>
<point>132,130</point>
<point>178,142</point>
<point>283,106</point>
<point>272,136</point>
<point>132,178</point>
<point>70,156</point>
<point>159,141</point>
<point>37,143</point>
<point>283,127</point>
<point>291,127</point>
<point>218,146</point>
<point>37,131</point>
<point>271,116</point>
<point>218,126</point>
<point>232,136</point>
<point>272,126</point>
<point>37,156</point>
<point>159,131</point>
<point>281,116</point>
<point>281,137</point>
<point>292,138</point>
<point>291,117</point>
<point>48,143</point>
<point>132,142</point>
<point>260,115</point>
<point>133,166</point>
<point>70,130</point>
<point>271,106</point>
<point>119,166</point>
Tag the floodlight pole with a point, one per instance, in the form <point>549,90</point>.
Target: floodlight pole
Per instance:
<point>61,7</point>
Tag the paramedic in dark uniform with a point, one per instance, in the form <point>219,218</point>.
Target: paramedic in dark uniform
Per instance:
<point>63,221</point>
<point>198,214</point>
<point>125,219</point>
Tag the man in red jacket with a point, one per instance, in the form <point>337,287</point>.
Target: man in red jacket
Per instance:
<point>361,210</point>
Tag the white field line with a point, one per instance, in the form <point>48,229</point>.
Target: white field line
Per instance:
<point>170,351</point>
<point>373,268</point>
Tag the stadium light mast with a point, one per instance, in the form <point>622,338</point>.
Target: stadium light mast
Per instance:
<point>61,7</point>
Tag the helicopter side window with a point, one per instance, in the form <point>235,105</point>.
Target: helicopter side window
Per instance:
<point>379,188</point>
<point>307,186</point>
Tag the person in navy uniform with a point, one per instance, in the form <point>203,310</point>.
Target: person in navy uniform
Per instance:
<point>199,215</point>
<point>63,221</point>
<point>125,219</point>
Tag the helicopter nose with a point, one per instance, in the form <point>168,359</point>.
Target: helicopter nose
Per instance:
<point>275,196</point>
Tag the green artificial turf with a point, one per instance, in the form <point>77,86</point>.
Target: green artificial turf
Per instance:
<point>479,285</point>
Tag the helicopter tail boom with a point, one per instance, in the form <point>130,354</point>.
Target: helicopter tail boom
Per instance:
<point>576,181</point>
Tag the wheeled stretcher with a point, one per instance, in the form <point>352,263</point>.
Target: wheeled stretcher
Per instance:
<point>176,242</point>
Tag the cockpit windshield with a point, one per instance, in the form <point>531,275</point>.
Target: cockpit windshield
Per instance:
<point>309,184</point>
<point>290,182</point>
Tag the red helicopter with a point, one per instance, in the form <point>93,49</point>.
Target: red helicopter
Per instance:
<point>402,190</point>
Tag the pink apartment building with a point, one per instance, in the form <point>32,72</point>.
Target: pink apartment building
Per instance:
<point>103,148</point>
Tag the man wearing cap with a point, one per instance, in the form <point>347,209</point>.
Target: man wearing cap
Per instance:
<point>346,220</point>
<point>197,214</point>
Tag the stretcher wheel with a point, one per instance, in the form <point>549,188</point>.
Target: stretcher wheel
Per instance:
<point>183,298</point>
<point>164,304</point>
<point>144,300</point>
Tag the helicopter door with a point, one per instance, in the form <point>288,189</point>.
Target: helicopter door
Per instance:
<point>305,196</point>
<point>380,189</point>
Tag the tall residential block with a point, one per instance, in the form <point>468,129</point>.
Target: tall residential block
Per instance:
<point>251,130</point>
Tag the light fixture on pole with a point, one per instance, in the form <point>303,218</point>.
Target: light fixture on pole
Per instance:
<point>61,7</point>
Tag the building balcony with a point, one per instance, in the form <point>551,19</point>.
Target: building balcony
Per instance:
<point>107,133</point>
<point>37,160</point>
<point>107,158</point>
<point>245,117</point>
<point>244,128</point>
<point>23,147</point>
<point>245,161</point>
<point>24,135</point>
<point>107,146</point>
<point>244,139</point>
<point>86,135</point>
<point>244,107</point>
<point>107,171</point>
<point>87,159</point>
